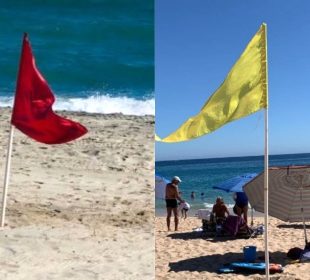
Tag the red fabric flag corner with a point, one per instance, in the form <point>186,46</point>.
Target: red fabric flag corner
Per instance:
<point>32,110</point>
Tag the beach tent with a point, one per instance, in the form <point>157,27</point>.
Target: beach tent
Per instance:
<point>289,193</point>
<point>236,184</point>
<point>160,186</point>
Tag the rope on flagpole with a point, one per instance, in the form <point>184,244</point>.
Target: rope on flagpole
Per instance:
<point>7,175</point>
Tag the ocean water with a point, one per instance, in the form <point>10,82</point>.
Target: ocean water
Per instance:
<point>202,174</point>
<point>97,55</point>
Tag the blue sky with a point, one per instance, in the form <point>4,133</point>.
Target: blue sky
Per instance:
<point>196,44</point>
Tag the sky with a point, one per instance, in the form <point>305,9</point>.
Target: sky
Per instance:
<point>196,44</point>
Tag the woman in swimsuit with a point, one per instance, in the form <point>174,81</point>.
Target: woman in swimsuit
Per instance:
<point>241,206</point>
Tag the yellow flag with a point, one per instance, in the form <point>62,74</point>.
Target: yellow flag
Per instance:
<point>243,92</point>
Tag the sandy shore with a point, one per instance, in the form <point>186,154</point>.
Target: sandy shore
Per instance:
<point>189,255</point>
<point>83,210</point>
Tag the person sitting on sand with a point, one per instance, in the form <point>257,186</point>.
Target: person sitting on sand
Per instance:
<point>172,197</point>
<point>241,206</point>
<point>184,207</point>
<point>219,210</point>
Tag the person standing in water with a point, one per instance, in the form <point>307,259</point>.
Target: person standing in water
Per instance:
<point>172,197</point>
<point>202,196</point>
<point>193,195</point>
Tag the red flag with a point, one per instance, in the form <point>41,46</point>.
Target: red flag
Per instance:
<point>32,110</point>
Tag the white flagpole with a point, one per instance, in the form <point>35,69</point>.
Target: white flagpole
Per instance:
<point>266,210</point>
<point>266,163</point>
<point>7,175</point>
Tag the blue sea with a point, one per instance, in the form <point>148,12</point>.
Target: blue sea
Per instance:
<point>201,175</point>
<point>97,55</point>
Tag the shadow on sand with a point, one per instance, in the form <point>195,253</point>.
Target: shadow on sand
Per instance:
<point>211,263</point>
<point>187,235</point>
<point>294,226</point>
<point>202,235</point>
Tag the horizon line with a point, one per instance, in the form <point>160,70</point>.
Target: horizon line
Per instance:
<point>221,157</point>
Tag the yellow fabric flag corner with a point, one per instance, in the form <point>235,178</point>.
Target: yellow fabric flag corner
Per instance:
<point>243,92</point>
<point>157,138</point>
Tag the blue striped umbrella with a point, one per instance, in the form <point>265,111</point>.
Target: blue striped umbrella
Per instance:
<point>235,184</point>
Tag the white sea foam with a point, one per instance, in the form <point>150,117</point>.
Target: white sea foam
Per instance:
<point>99,104</point>
<point>210,205</point>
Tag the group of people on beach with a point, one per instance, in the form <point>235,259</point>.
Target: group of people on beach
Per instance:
<point>175,203</point>
<point>221,211</point>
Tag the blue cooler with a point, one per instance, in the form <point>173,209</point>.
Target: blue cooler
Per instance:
<point>249,253</point>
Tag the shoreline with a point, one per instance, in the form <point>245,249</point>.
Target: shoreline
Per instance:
<point>89,114</point>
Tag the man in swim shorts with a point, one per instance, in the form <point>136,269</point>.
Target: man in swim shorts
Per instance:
<point>172,197</point>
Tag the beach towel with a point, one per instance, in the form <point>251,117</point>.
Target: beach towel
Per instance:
<point>233,224</point>
<point>250,268</point>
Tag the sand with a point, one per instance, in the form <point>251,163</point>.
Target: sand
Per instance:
<point>190,255</point>
<point>82,210</point>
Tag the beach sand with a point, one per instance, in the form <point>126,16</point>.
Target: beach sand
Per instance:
<point>82,210</point>
<point>189,255</point>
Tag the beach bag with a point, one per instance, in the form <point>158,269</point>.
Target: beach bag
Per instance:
<point>294,253</point>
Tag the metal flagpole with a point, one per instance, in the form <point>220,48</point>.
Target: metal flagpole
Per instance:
<point>266,163</point>
<point>7,175</point>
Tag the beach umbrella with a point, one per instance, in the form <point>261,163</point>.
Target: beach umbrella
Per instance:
<point>236,184</point>
<point>289,193</point>
<point>160,186</point>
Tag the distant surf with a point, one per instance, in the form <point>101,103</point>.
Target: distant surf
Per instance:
<point>104,104</point>
<point>99,62</point>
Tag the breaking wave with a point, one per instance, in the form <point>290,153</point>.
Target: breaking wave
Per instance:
<point>104,104</point>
